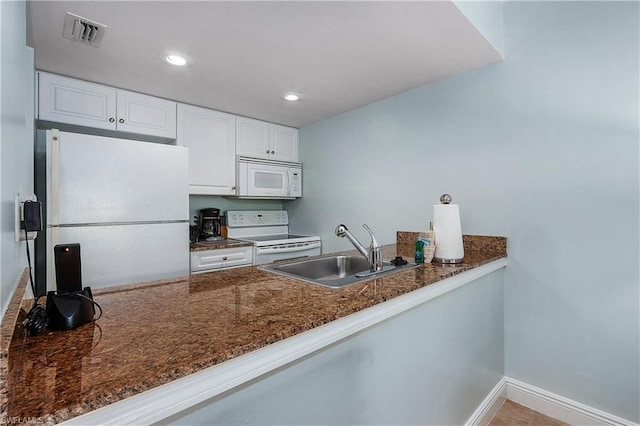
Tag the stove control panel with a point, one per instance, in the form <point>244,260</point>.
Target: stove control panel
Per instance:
<point>240,218</point>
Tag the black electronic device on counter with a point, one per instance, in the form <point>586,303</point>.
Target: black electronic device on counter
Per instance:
<point>70,310</point>
<point>68,269</point>
<point>71,305</point>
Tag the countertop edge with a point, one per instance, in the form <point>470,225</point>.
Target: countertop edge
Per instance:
<point>161,402</point>
<point>8,323</point>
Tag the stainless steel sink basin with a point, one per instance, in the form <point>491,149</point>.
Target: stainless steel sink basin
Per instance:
<point>331,271</point>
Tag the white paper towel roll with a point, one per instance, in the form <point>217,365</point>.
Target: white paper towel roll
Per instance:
<point>446,224</point>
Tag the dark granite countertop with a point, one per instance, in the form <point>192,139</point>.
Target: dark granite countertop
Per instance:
<point>154,333</point>
<point>220,244</point>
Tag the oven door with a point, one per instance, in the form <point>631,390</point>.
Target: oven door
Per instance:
<point>269,254</point>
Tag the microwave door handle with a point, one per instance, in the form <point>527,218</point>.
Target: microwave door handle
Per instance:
<point>289,182</point>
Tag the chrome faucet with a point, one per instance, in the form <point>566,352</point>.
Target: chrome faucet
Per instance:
<point>373,255</point>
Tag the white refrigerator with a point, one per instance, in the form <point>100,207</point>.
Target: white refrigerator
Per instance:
<point>126,202</point>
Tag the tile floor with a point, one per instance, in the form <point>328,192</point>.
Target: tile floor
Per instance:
<point>512,414</point>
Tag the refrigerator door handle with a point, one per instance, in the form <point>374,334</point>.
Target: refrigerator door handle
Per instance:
<point>54,192</point>
<point>138,222</point>
<point>53,206</point>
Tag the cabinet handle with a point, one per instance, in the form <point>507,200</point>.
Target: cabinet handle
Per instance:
<point>111,120</point>
<point>273,152</point>
<point>267,151</point>
<point>121,120</point>
<point>233,188</point>
<point>224,258</point>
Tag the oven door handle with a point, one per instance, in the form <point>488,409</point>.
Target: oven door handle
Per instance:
<point>276,249</point>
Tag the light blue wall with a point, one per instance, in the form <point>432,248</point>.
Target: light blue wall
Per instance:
<point>541,148</point>
<point>486,16</point>
<point>197,202</point>
<point>431,365</point>
<point>16,139</point>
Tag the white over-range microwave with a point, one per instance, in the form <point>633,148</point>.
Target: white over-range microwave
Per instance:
<point>268,179</point>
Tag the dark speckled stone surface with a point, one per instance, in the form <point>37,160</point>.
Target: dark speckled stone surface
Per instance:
<point>405,244</point>
<point>10,331</point>
<point>220,244</point>
<point>154,333</point>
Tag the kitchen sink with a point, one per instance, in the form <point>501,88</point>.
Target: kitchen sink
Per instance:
<point>332,271</point>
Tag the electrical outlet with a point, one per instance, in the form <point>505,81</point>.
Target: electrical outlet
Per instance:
<point>19,216</point>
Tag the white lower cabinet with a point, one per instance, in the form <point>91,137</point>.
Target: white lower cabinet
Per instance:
<point>210,136</point>
<point>211,260</point>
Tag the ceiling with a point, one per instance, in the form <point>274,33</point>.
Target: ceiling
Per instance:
<point>338,55</point>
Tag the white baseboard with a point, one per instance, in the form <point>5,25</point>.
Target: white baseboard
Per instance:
<point>559,407</point>
<point>490,405</point>
<point>542,401</point>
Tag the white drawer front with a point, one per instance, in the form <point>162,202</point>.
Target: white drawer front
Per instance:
<point>209,260</point>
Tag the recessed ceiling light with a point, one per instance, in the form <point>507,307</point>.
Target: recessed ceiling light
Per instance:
<point>291,96</point>
<point>176,58</point>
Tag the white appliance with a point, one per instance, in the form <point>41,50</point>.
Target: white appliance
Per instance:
<point>268,179</point>
<point>126,203</point>
<point>268,230</point>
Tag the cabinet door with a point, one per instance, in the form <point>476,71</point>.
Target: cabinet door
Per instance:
<point>210,137</point>
<point>252,138</point>
<point>209,260</point>
<point>145,114</point>
<point>66,100</point>
<point>284,143</point>
<point>240,256</point>
<point>203,261</point>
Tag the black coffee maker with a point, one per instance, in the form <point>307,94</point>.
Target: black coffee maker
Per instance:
<point>209,222</point>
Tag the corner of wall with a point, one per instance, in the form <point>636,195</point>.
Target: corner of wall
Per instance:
<point>16,136</point>
<point>487,17</point>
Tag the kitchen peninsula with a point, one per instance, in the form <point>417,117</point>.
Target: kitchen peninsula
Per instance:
<point>163,333</point>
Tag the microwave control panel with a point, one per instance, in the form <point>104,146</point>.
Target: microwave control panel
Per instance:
<point>237,219</point>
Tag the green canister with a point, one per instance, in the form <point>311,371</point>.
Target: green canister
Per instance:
<point>419,258</point>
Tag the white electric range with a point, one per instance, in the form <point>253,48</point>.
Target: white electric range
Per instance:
<point>268,230</point>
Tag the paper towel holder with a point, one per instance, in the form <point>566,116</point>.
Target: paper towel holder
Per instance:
<point>450,238</point>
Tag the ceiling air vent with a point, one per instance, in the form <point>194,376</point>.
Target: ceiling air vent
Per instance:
<point>83,30</point>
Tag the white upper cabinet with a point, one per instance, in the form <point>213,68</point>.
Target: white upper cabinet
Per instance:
<point>284,143</point>
<point>71,101</point>
<point>146,114</point>
<point>66,100</point>
<point>211,139</point>
<point>252,138</point>
<point>259,139</point>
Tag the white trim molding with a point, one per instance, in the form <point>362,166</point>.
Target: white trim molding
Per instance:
<point>490,405</point>
<point>542,401</point>
<point>559,407</point>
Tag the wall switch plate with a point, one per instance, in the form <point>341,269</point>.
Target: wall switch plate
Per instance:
<point>19,216</point>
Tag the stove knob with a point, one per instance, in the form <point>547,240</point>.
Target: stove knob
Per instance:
<point>241,217</point>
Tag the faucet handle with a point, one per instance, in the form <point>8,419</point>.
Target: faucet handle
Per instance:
<point>374,242</point>
<point>341,230</point>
